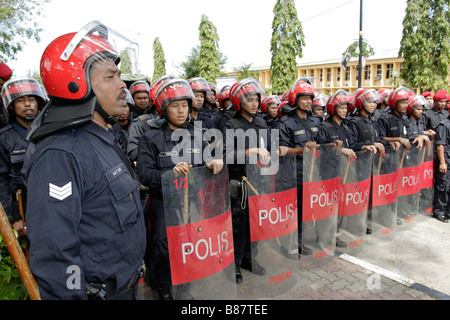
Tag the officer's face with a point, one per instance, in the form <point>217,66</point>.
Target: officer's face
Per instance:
<point>26,106</point>
<point>402,105</point>
<point>440,104</point>
<point>304,102</point>
<point>370,106</point>
<point>417,112</point>
<point>251,103</point>
<point>200,97</point>
<point>178,111</point>
<point>141,100</point>
<point>273,108</point>
<point>226,103</point>
<point>318,111</point>
<point>108,87</point>
<point>341,110</point>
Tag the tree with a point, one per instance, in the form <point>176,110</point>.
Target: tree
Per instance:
<point>285,46</point>
<point>191,67</point>
<point>159,60</point>
<point>245,72</point>
<point>209,65</point>
<point>353,49</point>
<point>425,44</point>
<point>16,25</point>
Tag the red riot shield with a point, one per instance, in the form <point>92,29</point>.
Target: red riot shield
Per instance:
<point>199,234</point>
<point>408,186</point>
<point>321,185</point>
<point>427,179</point>
<point>384,192</point>
<point>356,174</point>
<point>272,204</point>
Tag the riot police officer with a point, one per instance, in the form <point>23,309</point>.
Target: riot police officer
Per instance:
<point>84,216</point>
<point>438,112</point>
<point>298,130</point>
<point>269,108</point>
<point>174,101</point>
<point>140,92</point>
<point>246,98</point>
<point>201,91</point>
<point>5,75</point>
<point>23,99</point>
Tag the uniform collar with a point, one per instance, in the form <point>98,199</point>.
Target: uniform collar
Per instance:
<point>99,132</point>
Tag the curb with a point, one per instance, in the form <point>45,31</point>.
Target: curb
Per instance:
<point>393,276</point>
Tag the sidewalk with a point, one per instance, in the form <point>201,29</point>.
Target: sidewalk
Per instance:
<point>376,273</point>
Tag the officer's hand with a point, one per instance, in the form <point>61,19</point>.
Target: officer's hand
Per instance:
<point>370,148</point>
<point>182,168</point>
<point>216,165</point>
<point>443,168</point>
<point>405,142</point>
<point>264,155</point>
<point>380,148</point>
<point>395,145</point>
<point>349,153</point>
<point>430,132</point>
<point>19,225</point>
<point>311,145</point>
<point>337,143</point>
<point>282,151</point>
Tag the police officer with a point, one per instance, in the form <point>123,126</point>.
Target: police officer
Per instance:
<point>23,99</point>
<point>226,109</point>
<point>269,108</point>
<point>140,92</point>
<point>363,127</point>
<point>298,130</point>
<point>123,123</point>
<point>441,173</point>
<point>246,99</point>
<point>416,127</point>
<point>201,90</point>
<point>318,106</point>
<point>174,99</point>
<point>392,126</point>
<point>84,217</point>
<point>437,113</point>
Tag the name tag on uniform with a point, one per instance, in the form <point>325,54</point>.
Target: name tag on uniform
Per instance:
<point>314,129</point>
<point>168,154</point>
<point>298,132</point>
<point>111,174</point>
<point>190,150</point>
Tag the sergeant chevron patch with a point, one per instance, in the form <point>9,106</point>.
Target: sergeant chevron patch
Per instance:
<point>60,193</point>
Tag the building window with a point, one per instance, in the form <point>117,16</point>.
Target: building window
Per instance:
<point>321,75</point>
<point>379,70</point>
<point>329,74</point>
<point>389,70</point>
<point>367,72</point>
<point>347,74</point>
<point>338,76</point>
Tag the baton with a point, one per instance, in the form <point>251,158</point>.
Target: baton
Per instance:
<point>18,256</point>
<point>403,157</point>
<point>19,200</point>
<point>186,204</point>
<point>346,172</point>
<point>311,170</point>
<point>250,185</point>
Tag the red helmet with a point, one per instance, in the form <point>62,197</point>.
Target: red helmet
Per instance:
<point>319,101</point>
<point>300,88</point>
<point>338,98</point>
<point>285,96</point>
<point>155,85</point>
<point>175,89</point>
<point>66,61</point>
<point>19,87</point>
<point>224,94</point>
<point>397,95</point>
<point>366,96</point>
<point>267,101</point>
<point>281,109</point>
<point>139,86</point>
<point>199,84</point>
<point>242,89</point>
<point>415,102</point>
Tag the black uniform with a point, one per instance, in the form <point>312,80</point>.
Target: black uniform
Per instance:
<point>442,180</point>
<point>12,154</point>
<point>84,217</point>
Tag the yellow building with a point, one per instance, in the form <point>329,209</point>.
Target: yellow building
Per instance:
<point>380,71</point>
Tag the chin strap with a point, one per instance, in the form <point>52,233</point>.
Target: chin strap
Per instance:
<point>111,120</point>
<point>250,114</point>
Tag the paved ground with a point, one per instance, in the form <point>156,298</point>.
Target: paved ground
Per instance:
<point>409,264</point>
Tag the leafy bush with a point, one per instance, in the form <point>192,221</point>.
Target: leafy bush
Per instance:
<point>11,285</point>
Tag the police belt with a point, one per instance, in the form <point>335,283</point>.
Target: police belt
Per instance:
<point>109,290</point>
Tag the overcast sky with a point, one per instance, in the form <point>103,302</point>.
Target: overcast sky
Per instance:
<point>244,28</point>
